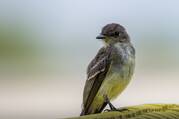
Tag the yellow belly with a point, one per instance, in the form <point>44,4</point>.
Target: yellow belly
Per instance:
<point>112,87</point>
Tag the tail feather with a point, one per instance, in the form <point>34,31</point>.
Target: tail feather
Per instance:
<point>89,111</point>
<point>82,113</point>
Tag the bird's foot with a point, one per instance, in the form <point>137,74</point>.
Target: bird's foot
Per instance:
<point>114,109</point>
<point>121,109</point>
<point>107,110</point>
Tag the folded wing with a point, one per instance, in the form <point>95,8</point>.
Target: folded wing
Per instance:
<point>96,73</point>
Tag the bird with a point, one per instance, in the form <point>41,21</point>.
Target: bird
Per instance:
<point>111,70</point>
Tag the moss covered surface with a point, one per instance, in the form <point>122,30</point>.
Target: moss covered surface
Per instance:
<point>146,111</point>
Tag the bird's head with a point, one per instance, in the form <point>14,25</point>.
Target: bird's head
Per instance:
<point>113,33</point>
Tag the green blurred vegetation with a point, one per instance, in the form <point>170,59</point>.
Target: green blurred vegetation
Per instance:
<point>18,51</point>
<point>14,43</point>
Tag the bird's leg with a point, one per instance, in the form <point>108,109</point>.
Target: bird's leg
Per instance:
<point>112,106</point>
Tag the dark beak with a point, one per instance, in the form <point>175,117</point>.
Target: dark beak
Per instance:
<point>101,37</point>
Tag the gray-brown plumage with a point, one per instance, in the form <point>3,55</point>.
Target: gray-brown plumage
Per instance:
<point>114,63</point>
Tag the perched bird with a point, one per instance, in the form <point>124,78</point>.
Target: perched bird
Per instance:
<point>110,71</point>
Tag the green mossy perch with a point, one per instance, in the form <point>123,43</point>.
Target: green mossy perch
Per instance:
<point>147,111</point>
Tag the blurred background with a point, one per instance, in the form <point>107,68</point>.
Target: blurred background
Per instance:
<point>46,45</point>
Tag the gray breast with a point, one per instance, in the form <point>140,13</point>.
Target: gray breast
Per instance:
<point>124,59</point>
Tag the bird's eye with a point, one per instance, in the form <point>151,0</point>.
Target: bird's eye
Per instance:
<point>116,33</point>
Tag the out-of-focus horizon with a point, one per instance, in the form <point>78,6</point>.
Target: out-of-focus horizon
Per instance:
<point>45,47</point>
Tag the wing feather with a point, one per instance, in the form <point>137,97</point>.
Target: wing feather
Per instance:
<point>96,73</point>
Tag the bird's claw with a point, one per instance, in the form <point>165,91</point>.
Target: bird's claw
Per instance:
<point>119,110</point>
<point>107,110</point>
